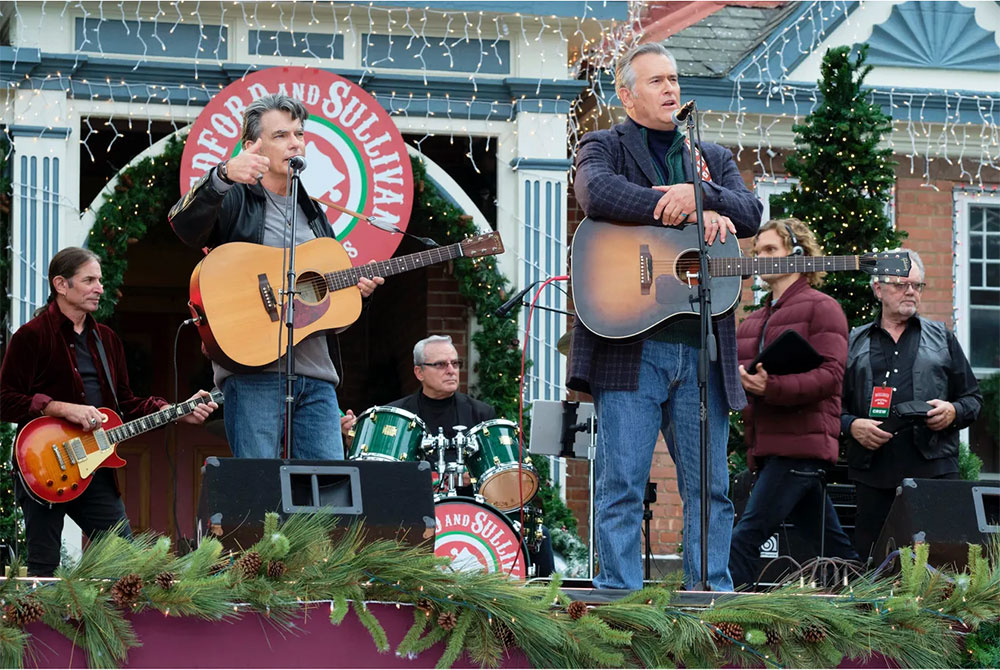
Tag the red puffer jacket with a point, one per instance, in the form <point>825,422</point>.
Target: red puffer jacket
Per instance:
<point>799,414</point>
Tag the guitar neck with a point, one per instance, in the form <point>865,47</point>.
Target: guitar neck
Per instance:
<point>154,420</point>
<point>746,266</point>
<point>349,277</point>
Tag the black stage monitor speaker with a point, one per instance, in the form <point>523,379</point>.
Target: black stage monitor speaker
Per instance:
<point>948,514</point>
<point>391,499</point>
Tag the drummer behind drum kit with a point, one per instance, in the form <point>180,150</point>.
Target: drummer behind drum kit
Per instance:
<point>482,532</point>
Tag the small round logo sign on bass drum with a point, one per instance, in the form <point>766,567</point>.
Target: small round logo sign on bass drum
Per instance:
<point>355,154</point>
<point>477,538</point>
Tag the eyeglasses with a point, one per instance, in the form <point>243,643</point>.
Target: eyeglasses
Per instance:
<point>904,286</point>
<point>441,365</point>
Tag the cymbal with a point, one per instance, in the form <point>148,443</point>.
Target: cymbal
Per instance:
<point>562,346</point>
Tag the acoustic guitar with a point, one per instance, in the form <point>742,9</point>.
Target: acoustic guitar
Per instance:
<point>57,459</point>
<point>630,281</point>
<point>235,293</point>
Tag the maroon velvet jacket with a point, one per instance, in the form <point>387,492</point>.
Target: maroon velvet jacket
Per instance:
<point>799,415</point>
<point>40,366</point>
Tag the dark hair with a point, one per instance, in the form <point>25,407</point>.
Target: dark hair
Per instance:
<point>66,263</point>
<point>257,108</point>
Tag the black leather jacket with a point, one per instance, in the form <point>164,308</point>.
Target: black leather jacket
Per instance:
<point>206,217</point>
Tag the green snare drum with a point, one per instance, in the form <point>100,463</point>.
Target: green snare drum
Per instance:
<point>387,434</point>
<point>494,464</point>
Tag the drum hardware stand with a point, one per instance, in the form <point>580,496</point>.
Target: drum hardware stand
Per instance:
<point>457,468</point>
<point>647,517</point>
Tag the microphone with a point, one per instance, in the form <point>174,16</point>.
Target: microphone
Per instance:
<point>505,308</point>
<point>297,163</point>
<point>678,117</point>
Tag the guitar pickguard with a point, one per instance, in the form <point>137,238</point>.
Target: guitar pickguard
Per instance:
<point>307,313</point>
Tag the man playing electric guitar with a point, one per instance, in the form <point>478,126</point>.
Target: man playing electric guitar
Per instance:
<point>636,173</point>
<point>243,200</point>
<point>64,364</point>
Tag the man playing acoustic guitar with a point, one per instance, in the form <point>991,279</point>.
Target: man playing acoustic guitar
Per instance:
<point>244,200</point>
<point>636,173</point>
<point>64,364</point>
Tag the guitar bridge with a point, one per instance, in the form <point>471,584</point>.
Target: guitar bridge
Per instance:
<point>645,269</point>
<point>267,297</point>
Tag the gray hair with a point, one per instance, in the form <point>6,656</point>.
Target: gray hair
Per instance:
<point>418,348</point>
<point>914,258</point>
<point>267,103</point>
<point>625,74</point>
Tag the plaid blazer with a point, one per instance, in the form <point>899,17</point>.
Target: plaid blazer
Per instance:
<point>614,173</point>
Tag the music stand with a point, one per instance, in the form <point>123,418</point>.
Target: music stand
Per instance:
<point>547,429</point>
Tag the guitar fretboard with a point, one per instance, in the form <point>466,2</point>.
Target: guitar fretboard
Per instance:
<point>349,277</point>
<point>766,265</point>
<point>154,420</point>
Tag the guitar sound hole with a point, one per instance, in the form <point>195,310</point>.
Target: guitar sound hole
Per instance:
<point>687,268</point>
<point>311,286</point>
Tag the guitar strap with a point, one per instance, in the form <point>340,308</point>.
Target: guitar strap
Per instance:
<point>706,175</point>
<point>107,370</point>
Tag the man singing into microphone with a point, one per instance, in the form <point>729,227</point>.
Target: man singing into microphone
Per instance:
<point>638,172</point>
<point>244,199</point>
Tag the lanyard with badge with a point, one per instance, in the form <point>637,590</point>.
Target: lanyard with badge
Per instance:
<point>881,397</point>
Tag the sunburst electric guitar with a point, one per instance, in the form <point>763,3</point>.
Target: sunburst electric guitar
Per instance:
<point>57,459</point>
<point>235,292</point>
<point>631,280</point>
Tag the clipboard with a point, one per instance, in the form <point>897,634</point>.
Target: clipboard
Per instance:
<point>789,354</point>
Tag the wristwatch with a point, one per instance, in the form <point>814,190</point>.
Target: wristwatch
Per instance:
<point>224,172</point>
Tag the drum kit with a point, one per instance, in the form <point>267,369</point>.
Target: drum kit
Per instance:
<point>489,530</point>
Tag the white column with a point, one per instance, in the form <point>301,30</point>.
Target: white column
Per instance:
<point>535,174</point>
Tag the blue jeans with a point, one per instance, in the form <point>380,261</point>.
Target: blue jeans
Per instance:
<point>786,488</point>
<point>255,417</point>
<point>666,401</point>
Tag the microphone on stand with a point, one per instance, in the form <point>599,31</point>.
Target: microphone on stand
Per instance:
<point>297,163</point>
<point>505,308</point>
<point>681,114</point>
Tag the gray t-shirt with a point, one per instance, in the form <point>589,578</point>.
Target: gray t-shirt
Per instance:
<point>312,355</point>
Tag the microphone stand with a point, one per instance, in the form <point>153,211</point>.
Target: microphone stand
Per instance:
<point>707,350</point>
<point>289,296</point>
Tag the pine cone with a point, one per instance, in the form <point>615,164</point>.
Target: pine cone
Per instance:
<point>773,637</point>
<point>425,605</point>
<point>165,580</point>
<point>948,590</point>
<point>577,609</point>
<point>22,613</point>
<point>448,620</point>
<point>249,564</point>
<point>503,633</point>
<point>813,634</point>
<point>126,590</point>
<point>727,630</point>
<point>275,569</point>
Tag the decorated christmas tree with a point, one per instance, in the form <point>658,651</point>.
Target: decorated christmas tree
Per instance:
<point>845,178</point>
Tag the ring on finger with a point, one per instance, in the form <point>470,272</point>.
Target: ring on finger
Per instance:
<point>93,421</point>
<point>260,175</point>
<point>684,215</point>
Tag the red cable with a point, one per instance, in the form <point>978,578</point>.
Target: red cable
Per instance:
<point>520,405</point>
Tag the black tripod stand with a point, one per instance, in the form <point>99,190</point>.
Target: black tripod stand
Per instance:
<point>647,517</point>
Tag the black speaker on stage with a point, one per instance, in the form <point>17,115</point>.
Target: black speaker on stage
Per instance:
<point>392,499</point>
<point>948,514</point>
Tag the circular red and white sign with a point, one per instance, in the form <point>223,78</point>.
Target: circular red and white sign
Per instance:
<point>355,154</point>
<point>477,539</point>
